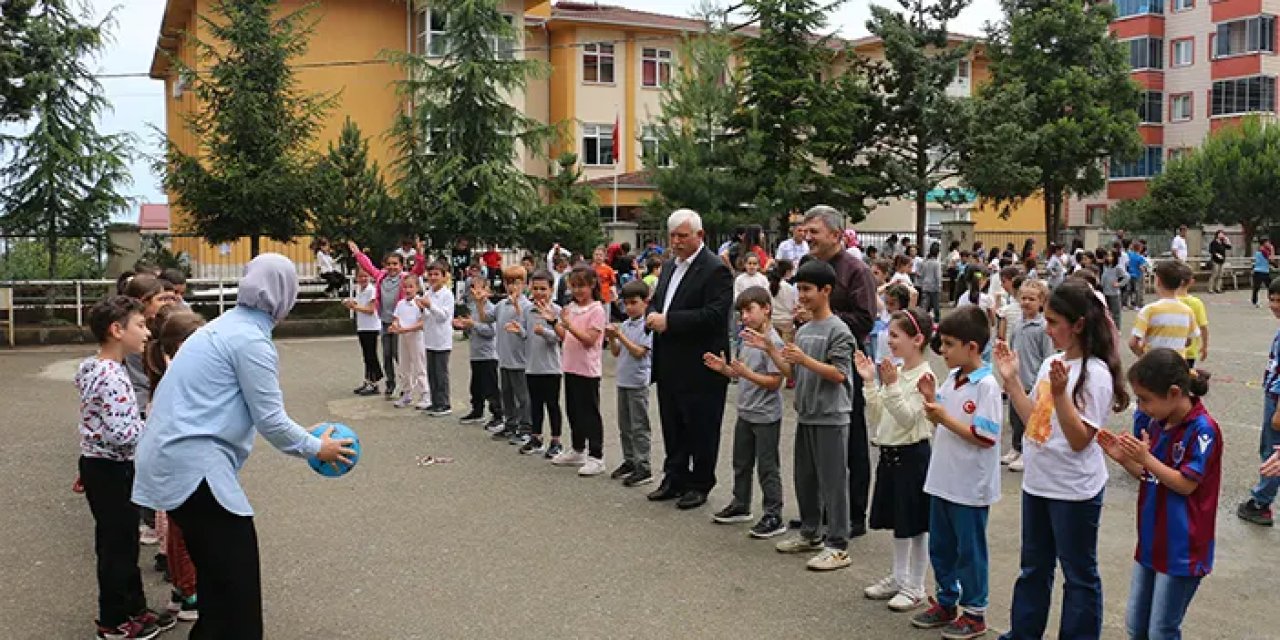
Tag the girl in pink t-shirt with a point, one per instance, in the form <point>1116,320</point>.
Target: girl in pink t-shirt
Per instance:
<point>581,327</point>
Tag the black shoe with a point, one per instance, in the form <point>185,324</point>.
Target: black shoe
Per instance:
<point>691,500</point>
<point>1251,511</point>
<point>505,434</point>
<point>371,389</point>
<point>637,478</point>
<point>495,425</point>
<point>532,446</point>
<point>472,417</point>
<point>554,449</point>
<point>664,492</point>
<point>769,526</point>
<point>361,389</point>
<point>794,523</point>
<point>161,562</point>
<point>857,530</point>
<point>390,393</point>
<point>731,514</point>
<point>622,471</point>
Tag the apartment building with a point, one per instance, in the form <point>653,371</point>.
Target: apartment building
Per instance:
<point>609,67</point>
<point>1202,65</point>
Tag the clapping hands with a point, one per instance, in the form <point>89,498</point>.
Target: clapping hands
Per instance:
<point>865,366</point>
<point>1006,361</point>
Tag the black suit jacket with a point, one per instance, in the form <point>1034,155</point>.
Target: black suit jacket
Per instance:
<point>697,322</point>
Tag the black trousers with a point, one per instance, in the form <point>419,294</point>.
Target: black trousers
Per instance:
<point>859,460</point>
<point>691,434</point>
<point>1260,281</point>
<point>390,355</point>
<point>107,486</point>
<point>224,549</point>
<point>582,403</point>
<point>369,351</point>
<point>484,387</point>
<point>333,280</point>
<point>544,393</point>
<point>438,378</point>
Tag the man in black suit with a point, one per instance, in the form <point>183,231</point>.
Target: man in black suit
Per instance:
<point>689,313</point>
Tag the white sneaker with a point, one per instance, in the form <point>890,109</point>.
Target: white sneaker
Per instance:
<point>828,560</point>
<point>883,590</point>
<point>403,402</point>
<point>569,458</point>
<point>423,405</point>
<point>1017,465</point>
<point>592,467</point>
<point>1008,458</point>
<point>906,600</point>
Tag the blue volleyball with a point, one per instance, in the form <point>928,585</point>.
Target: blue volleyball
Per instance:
<point>340,431</point>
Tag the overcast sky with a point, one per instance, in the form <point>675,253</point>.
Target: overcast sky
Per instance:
<point>139,102</point>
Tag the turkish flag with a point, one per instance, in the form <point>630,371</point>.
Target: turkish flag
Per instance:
<point>617,151</point>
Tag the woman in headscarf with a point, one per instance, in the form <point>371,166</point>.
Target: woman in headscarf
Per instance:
<point>222,386</point>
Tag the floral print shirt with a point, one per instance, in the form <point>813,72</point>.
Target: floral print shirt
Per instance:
<point>110,423</point>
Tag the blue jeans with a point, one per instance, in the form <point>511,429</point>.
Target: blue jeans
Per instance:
<point>958,553</point>
<point>1264,493</point>
<point>1157,604</point>
<point>1059,531</point>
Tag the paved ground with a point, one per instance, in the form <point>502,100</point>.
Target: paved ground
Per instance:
<point>503,546</point>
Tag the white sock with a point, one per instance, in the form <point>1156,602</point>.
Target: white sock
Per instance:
<point>901,553</point>
<point>917,562</point>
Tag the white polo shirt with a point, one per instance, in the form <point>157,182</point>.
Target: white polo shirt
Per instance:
<point>960,472</point>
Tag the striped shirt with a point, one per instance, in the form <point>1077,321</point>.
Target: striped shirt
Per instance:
<point>1166,324</point>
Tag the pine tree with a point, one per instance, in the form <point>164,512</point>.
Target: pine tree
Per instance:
<point>919,137</point>
<point>571,215</point>
<point>1060,102</point>
<point>458,137</point>
<point>352,201</point>
<point>688,167</point>
<point>255,173</point>
<point>64,177</point>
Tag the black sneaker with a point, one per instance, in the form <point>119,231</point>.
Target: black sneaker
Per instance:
<point>638,478</point>
<point>128,630</point>
<point>361,389</point>
<point>162,620</point>
<point>184,608</point>
<point>732,514</point>
<point>439,412</point>
<point>554,449</point>
<point>622,471</point>
<point>371,389</point>
<point>472,417</point>
<point>505,434</point>
<point>1251,511</point>
<point>769,526</point>
<point>495,425</point>
<point>533,447</point>
<point>520,437</point>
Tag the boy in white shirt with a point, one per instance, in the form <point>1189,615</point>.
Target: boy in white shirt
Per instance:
<point>411,369</point>
<point>437,305</point>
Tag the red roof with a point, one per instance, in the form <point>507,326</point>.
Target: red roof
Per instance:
<point>154,217</point>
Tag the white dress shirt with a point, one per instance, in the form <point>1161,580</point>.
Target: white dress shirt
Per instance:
<point>1179,248</point>
<point>791,250</point>
<point>681,268</point>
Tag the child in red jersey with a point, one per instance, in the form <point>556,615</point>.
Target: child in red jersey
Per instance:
<point>1176,453</point>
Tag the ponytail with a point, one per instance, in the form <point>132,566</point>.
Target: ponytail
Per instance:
<point>1162,369</point>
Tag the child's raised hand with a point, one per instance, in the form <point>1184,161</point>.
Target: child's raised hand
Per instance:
<point>793,354</point>
<point>1006,361</point>
<point>739,368</point>
<point>349,304</point>
<point>612,330</point>
<point>865,367</point>
<point>1271,468</point>
<point>713,362</point>
<point>512,327</point>
<point>423,302</point>
<point>353,247</point>
<point>888,372</point>
<point>1133,448</point>
<point>1110,444</point>
<point>479,294</point>
<point>934,412</point>
<point>755,339</point>
<point>544,310</point>
<point>928,388</point>
<point>537,329</point>
<point>1058,376</point>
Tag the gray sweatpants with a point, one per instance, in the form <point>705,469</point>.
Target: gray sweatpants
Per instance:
<point>822,481</point>
<point>755,445</point>
<point>633,426</point>
<point>515,399</point>
<point>438,378</point>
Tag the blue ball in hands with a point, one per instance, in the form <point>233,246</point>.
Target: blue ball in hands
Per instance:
<point>336,469</point>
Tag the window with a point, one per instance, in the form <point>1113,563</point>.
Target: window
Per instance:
<point>1094,214</point>
<point>959,87</point>
<point>504,47</point>
<point>1126,8</point>
<point>1243,95</point>
<point>597,63</point>
<point>1146,53</point>
<point>431,37</point>
<point>1183,53</point>
<point>597,145</point>
<point>1179,153</point>
<point>1151,109</point>
<point>1150,163</point>
<point>1184,5</point>
<point>656,67</point>
<point>1180,107</point>
<point>1241,37</point>
<point>962,70</point>
<point>650,147</point>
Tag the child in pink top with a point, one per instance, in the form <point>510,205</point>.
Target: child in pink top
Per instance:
<point>581,327</point>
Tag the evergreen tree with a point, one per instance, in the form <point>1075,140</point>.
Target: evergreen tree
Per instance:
<point>352,201</point>
<point>1060,102</point>
<point>782,98</point>
<point>688,167</point>
<point>63,177</point>
<point>571,215</point>
<point>458,137</point>
<point>254,173</point>
<point>919,137</point>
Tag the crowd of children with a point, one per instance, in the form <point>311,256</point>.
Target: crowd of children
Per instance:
<point>1050,349</point>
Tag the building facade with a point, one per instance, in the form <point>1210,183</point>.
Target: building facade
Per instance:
<point>1202,65</point>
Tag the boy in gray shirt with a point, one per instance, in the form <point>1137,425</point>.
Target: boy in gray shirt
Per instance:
<point>511,325</point>
<point>631,343</point>
<point>820,361</point>
<point>479,323</point>
<point>759,425</point>
<point>544,368</point>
